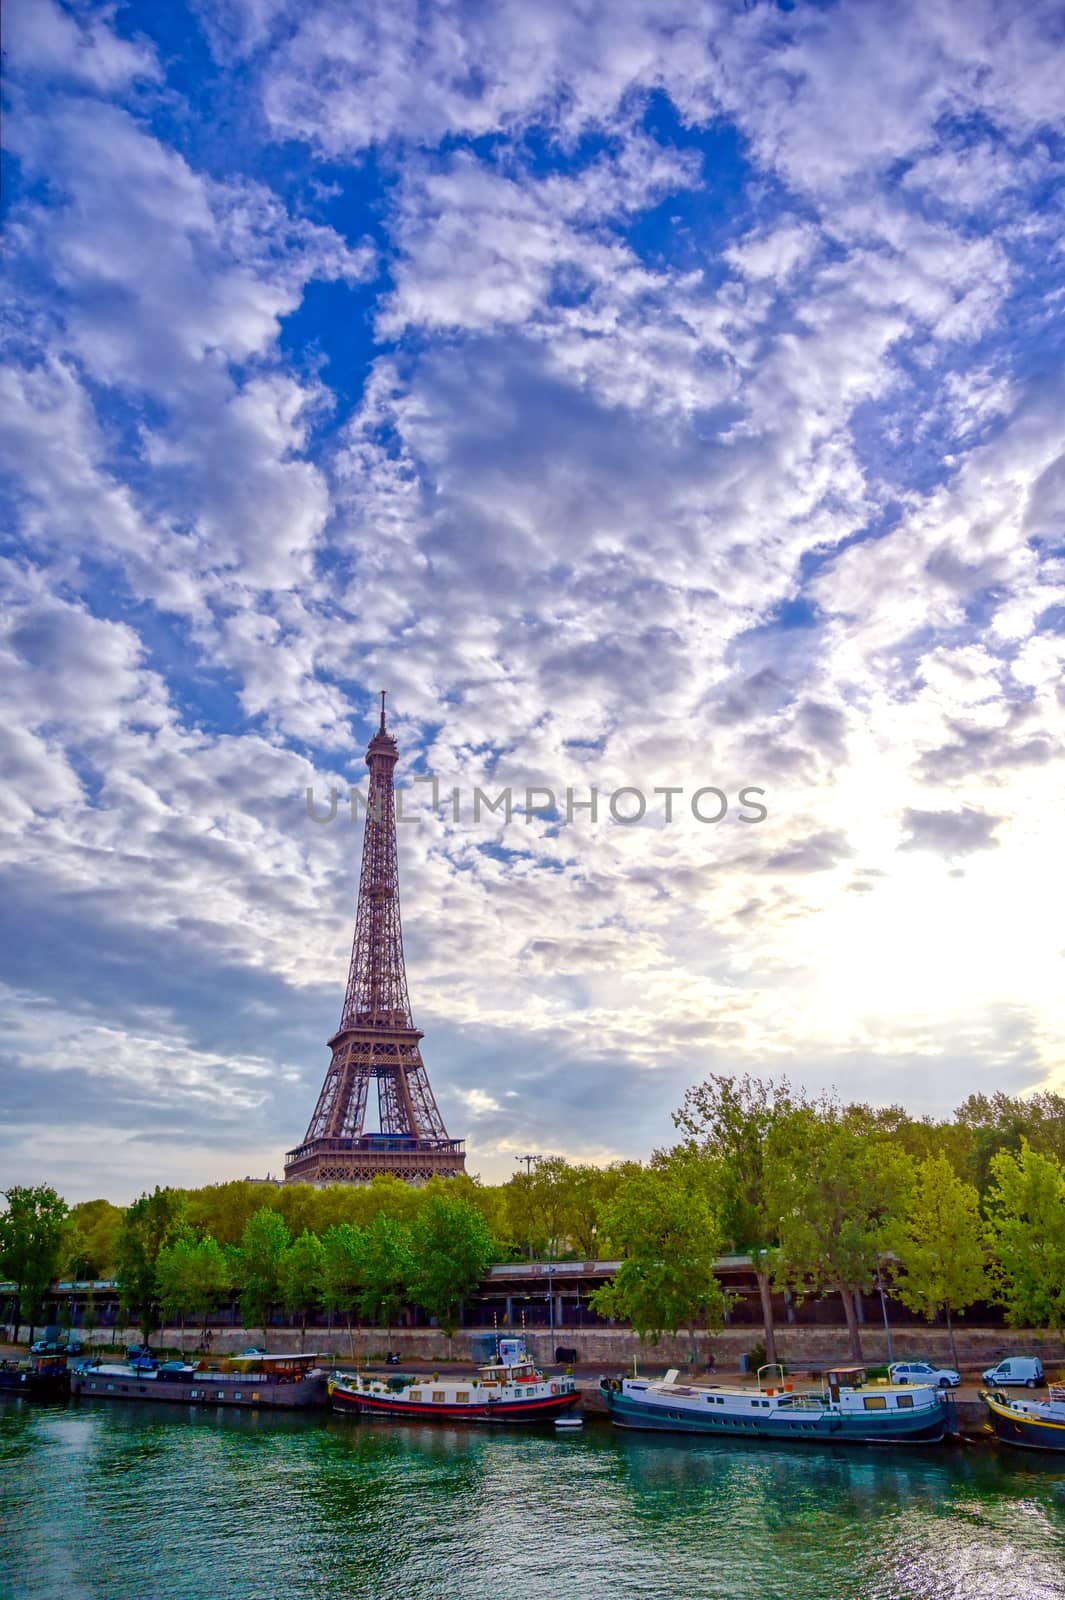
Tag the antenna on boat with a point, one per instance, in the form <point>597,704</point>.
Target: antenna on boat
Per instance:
<point>495,1329</point>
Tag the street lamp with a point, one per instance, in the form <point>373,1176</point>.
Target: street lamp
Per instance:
<point>883,1307</point>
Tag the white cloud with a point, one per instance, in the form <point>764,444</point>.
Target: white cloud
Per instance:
<point>595,458</point>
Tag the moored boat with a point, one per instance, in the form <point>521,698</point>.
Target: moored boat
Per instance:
<point>508,1389</point>
<point>282,1382</point>
<point>848,1410</point>
<point>38,1377</point>
<point>1032,1424</point>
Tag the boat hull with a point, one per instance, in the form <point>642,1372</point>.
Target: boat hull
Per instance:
<point>307,1394</point>
<point>1022,1429</point>
<point>35,1385</point>
<point>806,1427</point>
<point>543,1408</point>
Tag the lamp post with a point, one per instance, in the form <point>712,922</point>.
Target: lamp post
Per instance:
<point>883,1307</point>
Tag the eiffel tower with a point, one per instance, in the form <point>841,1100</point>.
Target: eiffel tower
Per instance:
<point>377,1037</point>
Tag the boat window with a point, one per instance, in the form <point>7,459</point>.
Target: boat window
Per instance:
<point>415,1394</point>
<point>875,1402</point>
<point>462,1397</point>
<point>438,1395</point>
<point>904,1402</point>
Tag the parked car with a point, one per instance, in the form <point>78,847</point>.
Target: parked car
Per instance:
<point>1016,1369</point>
<point>922,1372</point>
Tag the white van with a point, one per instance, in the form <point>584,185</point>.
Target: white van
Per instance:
<point>1017,1369</point>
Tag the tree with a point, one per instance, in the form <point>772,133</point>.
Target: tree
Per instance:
<point>1026,1228</point>
<point>148,1225</point>
<point>97,1224</point>
<point>1002,1122</point>
<point>731,1119</point>
<point>387,1268</point>
<point>33,1234</point>
<point>175,1279</point>
<point>214,1278</point>
<point>300,1277</point>
<point>452,1250</point>
<point>343,1249</point>
<point>665,1220</point>
<point>832,1189</point>
<point>258,1263</point>
<point>939,1245</point>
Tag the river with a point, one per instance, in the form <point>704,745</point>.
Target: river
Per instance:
<point>148,1503</point>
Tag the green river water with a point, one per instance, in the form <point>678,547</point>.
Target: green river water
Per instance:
<point>151,1503</point>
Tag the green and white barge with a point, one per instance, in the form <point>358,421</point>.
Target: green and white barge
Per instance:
<point>847,1410</point>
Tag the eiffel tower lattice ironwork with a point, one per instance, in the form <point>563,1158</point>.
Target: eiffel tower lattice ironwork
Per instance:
<point>377,1037</point>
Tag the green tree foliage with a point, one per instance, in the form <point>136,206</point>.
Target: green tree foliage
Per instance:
<point>833,1189</point>
<point>176,1279</point>
<point>388,1267</point>
<point>257,1264</point>
<point>1026,1227</point>
<point>452,1251</point>
<point>921,1137</point>
<point>191,1277</point>
<point>344,1247</point>
<point>666,1222</point>
<point>731,1119</point>
<point>96,1224</point>
<point>147,1226</point>
<point>33,1235</point>
<point>300,1276</point>
<point>222,1209</point>
<point>1002,1122</point>
<point>939,1245</point>
<point>214,1278</point>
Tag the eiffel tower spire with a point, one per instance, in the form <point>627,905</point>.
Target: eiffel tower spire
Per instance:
<point>377,1037</point>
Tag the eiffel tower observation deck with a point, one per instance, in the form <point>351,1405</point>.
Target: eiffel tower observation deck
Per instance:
<point>377,1037</point>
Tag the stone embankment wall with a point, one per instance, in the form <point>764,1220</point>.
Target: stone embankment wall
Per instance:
<point>614,1348</point>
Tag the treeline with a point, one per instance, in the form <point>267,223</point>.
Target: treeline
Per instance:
<point>826,1196</point>
<point>821,1195</point>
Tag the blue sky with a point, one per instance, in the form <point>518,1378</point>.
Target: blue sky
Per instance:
<point>647,396</point>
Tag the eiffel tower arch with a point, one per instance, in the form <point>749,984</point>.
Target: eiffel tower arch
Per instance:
<point>377,1038</point>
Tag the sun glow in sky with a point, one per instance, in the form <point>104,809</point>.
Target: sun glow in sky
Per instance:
<point>645,395</point>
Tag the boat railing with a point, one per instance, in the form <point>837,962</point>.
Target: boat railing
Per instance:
<point>773,1379</point>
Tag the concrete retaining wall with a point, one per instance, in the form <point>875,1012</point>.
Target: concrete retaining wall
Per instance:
<point>615,1347</point>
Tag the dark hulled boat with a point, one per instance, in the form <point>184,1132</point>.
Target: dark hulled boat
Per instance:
<point>282,1382</point>
<point>1032,1424</point>
<point>42,1377</point>
<point>847,1411</point>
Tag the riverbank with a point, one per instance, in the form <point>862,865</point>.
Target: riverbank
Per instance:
<point>801,1347</point>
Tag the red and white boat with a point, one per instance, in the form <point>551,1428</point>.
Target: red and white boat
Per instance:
<point>509,1389</point>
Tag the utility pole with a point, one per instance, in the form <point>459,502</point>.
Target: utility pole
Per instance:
<point>530,1161</point>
